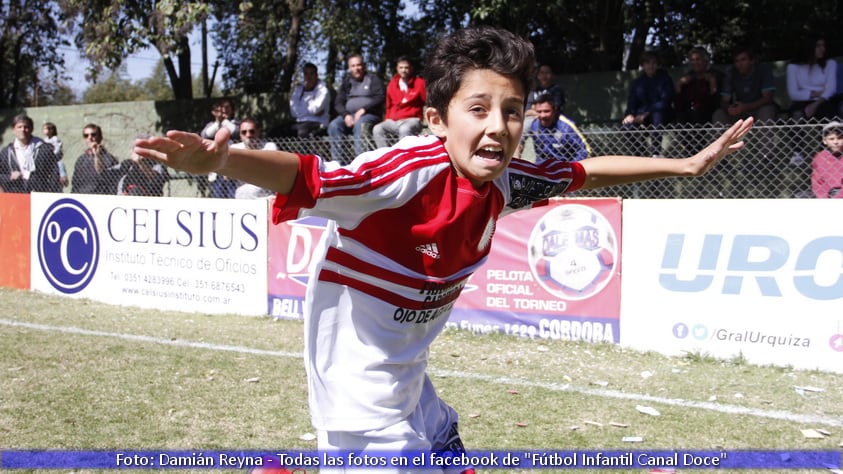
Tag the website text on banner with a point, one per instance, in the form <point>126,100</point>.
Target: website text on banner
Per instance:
<point>553,272</point>
<point>14,240</point>
<point>177,254</point>
<point>759,279</point>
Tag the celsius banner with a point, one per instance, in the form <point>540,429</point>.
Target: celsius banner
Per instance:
<point>14,240</point>
<point>183,254</point>
<point>553,272</point>
<point>757,279</point>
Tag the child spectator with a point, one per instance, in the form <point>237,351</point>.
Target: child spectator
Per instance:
<point>827,165</point>
<point>408,225</point>
<point>51,134</point>
<point>649,103</point>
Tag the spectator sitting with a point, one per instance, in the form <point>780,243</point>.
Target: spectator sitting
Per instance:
<point>310,104</point>
<point>544,86</point>
<point>697,91</point>
<point>405,98</point>
<point>51,132</point>
<point>555,137</point>
<point>812,81</point>
<point>94,172</point>
<point>649,101</point>
<point>748,90</point>
<point>250,139</point>
<point>827,165</point>
<point>359,105</point>
<point>28,163</point>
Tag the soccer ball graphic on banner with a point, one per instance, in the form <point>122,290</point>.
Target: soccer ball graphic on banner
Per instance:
<point>572,251</point>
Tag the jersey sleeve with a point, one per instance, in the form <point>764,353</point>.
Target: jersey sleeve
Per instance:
<point>375,180</point>
<point>525,184</point>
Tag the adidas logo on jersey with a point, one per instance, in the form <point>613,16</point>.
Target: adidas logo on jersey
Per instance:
<point>431,250</point>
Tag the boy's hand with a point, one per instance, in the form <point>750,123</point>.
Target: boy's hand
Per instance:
<point>186,151</point>
<point>730,142</point>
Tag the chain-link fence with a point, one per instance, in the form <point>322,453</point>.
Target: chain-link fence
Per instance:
<point>776,162</point>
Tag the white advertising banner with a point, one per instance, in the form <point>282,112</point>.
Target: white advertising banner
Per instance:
<point>183,254</point>
<point>759,279</point>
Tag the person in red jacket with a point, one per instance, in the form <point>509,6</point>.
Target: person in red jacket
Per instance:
<point>405,99</point>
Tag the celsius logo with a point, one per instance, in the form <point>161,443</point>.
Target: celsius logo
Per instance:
<point>572,251</point>
<point>68,246</point>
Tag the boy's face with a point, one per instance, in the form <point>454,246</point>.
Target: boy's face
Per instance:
<point>743,63</point>
<point>545,114</point>
<point>834,142</point>
<point>545,76</point>
<point>484,123</point>
<point>650,67</point>
<point>404,70</point>
<point>699,63</point>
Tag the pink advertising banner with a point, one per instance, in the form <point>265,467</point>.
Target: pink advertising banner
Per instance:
<point>553,273</point>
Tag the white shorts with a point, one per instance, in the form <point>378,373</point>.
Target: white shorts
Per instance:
<point>431,427</point>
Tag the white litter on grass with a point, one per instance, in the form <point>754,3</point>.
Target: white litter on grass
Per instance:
<point>632,439</point>
<point>812,434</point>
<point>307,437</point>
<point>647,410</point>
<point>646,374</point>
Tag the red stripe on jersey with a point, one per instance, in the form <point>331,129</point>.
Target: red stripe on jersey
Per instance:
<point>385,295</point>
<point>349,261</point>
<point>372,175</point>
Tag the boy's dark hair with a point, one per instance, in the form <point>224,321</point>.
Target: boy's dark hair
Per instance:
<point>648,56</point>
<point>469,49</point>
<point>545,99</point>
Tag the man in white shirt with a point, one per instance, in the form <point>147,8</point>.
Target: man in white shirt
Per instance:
<point>28,164</point>
<point>310,104</point>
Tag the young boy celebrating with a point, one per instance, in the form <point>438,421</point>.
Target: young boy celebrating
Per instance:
<point>827,165</point>
<point>408,226</point>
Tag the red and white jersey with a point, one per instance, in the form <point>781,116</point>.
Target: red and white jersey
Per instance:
<point>405,235</point>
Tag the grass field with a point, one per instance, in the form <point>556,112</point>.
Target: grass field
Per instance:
<point>77,374</point>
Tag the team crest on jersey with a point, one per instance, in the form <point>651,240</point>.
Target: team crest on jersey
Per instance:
<point>572,251</point>
<point>488,233</point>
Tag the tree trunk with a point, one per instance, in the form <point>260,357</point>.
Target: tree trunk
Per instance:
<point>297,9</point>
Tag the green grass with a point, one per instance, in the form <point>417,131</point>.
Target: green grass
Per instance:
<point>99,386</point>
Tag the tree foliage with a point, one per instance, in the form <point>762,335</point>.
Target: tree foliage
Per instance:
<point>31,64</point>
<point>110,30</point>
<point>261,45</point>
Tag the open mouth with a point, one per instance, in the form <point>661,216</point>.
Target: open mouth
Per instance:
<point>490,153</point>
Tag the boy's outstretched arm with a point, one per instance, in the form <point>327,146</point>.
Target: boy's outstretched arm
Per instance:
<point>612,170</point>
<point>273,170</point>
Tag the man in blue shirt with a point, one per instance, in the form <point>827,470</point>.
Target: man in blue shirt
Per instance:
<point>555,137</point>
